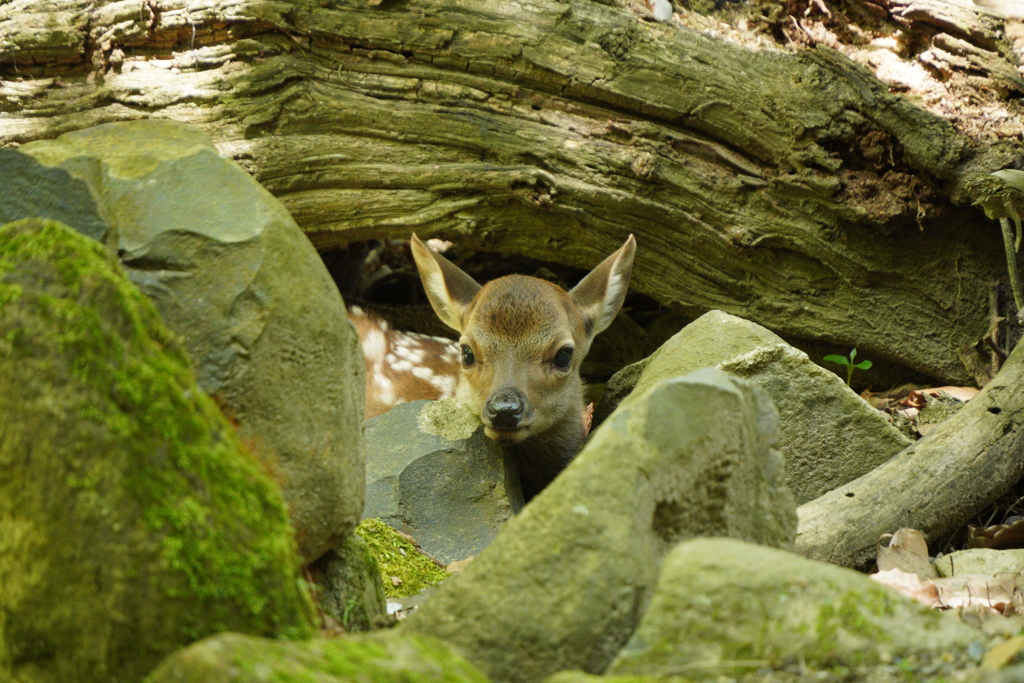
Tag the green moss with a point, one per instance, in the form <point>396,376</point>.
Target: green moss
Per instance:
<point>398,558</point>
<point>349,587</point>
<point>852,614</point>
<point>386,657</point>
<point>143,469</point>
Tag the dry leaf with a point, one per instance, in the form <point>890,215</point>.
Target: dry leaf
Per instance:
<point>458,566</point>
<point>976,591</point>
<point>910,585</point>
<point>962,590</point>
<point>992,622</point>
<point>963,394</point>
<point>999,536</point>
<point>906,550</point>
<point>915,399</point>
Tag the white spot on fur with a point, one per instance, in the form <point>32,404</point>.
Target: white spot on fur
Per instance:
<point>423,373</point>
<point>357,311</point>
<point>385,388</point>
<point>450,354</point>
<point>401,366</point>
<point>374,345</point>
<point>445,384</point>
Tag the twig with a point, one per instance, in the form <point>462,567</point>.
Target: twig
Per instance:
<point>1011,265</point>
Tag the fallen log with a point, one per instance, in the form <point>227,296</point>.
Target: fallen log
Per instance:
<point>785,187</point>
<point>934,485</point>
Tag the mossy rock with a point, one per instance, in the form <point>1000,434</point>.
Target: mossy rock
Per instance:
<point>384,657</point>
<point>131,520</point>
<point>724,607</point>
<point>828,434</point>
<point>349,587</point>
<point>232,273</point>
<point>404,570</point>
<point>566,581</point>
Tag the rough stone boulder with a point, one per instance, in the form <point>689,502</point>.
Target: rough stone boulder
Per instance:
<point>349,588</point>
<point>565,582</point>
<point>132,522</point>
<point>432,473</point>
<point>722,601</point>
<point>380,657</point>
<point>229,270</point>
<point>829,436</point>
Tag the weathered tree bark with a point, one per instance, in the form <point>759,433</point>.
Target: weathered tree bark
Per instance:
<point>790,188</point>
<point>935,485</point>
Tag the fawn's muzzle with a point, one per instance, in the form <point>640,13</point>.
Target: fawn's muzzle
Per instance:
<point>505,409</point>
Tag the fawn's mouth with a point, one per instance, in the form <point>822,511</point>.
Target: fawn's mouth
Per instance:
<point>507,436</point>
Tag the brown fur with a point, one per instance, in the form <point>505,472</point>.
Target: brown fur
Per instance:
<point>515,326</point>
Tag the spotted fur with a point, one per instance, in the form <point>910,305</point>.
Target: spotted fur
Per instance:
<point>403,366</point>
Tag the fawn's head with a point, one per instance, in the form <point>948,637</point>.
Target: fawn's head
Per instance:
<point>523,339</point>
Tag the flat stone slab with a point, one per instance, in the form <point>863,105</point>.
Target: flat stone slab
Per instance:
<point>432,473</point>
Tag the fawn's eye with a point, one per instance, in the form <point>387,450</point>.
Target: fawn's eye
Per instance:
<point>563,359</point>
<point>467,356</point>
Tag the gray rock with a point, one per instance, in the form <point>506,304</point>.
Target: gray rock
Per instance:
<point>229,270</point>
<point>980,561</point>
<point>721,600</point>
<point>32,189</point>
<point>432,473</point>
<point>617,388</point>
<point>349,587</point>
<point>566,581</point>
<point>132,520</point>
<point>829,435</point>
<point>383,657</point>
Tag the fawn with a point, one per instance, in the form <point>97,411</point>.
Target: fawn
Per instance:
<point>516,364</point>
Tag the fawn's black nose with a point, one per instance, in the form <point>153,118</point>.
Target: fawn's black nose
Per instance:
<point>505,408</point>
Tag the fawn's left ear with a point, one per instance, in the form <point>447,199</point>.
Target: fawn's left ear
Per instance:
<point>449,289</point>
<point>600,294</point>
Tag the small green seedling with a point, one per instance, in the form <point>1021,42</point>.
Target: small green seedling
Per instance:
<point>850,365</point>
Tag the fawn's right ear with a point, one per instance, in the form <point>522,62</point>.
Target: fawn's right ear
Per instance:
<point>449,289</point>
